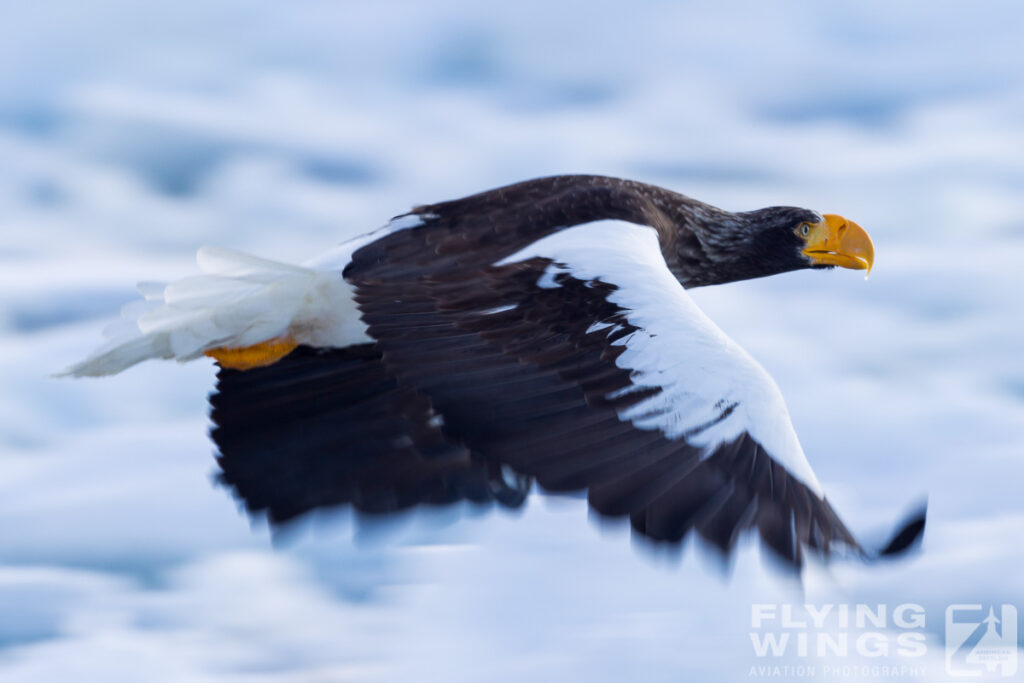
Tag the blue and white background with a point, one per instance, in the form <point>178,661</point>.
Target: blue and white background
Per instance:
<point>132,133</point>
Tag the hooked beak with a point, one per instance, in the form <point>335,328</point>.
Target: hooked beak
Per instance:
<point>838,242</point>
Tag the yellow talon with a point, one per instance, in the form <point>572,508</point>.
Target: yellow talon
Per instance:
<point>255,356</point>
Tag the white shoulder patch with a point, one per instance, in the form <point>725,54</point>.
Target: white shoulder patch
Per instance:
<point>712,390</point>
<point>341,255</point>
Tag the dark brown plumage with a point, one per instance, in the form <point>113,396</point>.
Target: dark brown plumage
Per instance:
<point>479,380</point>
<point>702,244</point>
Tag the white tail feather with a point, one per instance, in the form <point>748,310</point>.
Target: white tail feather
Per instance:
<point>238,301</point>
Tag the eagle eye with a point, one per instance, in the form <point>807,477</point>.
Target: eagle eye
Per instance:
<point>805,229</point>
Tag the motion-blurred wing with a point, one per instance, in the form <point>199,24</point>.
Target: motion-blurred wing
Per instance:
<point>580,360</point>
<point>323,428</point>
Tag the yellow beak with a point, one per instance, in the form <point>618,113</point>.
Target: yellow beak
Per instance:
<point>838,242</point>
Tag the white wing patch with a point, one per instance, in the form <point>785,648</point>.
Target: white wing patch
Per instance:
<point>712,390</point>
<point>341,255</point>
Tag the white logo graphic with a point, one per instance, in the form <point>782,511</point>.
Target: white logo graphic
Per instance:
<point>980,640</point>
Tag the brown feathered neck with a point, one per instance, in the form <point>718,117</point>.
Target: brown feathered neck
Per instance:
<point>702,244</point>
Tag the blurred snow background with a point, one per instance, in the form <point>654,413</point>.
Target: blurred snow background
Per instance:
<point>131,133</point>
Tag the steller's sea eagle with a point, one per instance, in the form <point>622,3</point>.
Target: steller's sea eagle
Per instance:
<point>540,331</point>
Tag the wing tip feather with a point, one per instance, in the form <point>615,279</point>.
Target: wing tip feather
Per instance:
<point>909,533</point>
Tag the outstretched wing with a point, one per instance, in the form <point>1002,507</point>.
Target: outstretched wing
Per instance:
<point>328,427</point>
<point>498,354</point>
<point>580,360</point>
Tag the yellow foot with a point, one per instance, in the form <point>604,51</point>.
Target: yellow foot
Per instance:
<point>256,356</point>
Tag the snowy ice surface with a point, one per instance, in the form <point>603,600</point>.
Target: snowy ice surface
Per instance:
<point>132,133</point>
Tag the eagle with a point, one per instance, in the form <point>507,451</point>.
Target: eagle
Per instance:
<point>536,333</point>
